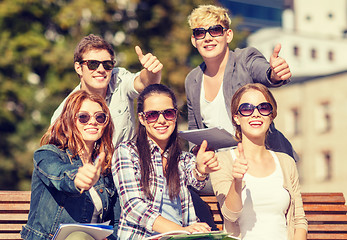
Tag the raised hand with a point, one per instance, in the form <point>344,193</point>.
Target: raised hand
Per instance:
<point>206,161</point>
<point>240,165</point>
<point>151,64</point>
<point>89,174</point>
<point>279,67</point>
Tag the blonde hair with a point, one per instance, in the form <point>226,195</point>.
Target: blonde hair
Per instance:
<point>209,14</point>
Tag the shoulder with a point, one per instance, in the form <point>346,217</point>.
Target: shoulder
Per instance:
<point>246,52</point>
<point>195,72</point>
<point>120,74</point>
<point>50,147</point>
<point>285,160</point>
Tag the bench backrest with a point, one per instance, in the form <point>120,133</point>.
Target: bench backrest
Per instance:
<point>325,212</point>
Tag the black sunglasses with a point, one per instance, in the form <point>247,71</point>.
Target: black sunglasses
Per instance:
<point>152,116</point>
<point>247,109</point>
<point>214,31</point>
<point>94,64</point>
<point>84,117</point>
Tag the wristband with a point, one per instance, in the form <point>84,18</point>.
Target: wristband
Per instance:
<point>200,175</point>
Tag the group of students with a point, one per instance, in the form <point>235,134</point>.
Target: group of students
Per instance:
<point>93,166</point>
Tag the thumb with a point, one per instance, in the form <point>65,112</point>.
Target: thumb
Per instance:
<point>276,50</point>
<point>241,152</point>
<point>139,52</point>
<point>203,147</point>
<point>100,160</point>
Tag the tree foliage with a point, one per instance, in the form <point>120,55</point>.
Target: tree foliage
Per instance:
<point>37,40</point>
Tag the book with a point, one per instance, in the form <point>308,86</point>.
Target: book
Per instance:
<point>216,137</point>
<point>97,231</point>
<point>181,234</point>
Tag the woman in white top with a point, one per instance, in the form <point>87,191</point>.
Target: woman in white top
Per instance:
<point>258,189</point>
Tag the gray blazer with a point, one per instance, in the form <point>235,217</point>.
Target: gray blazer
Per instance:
<point>244,66</point>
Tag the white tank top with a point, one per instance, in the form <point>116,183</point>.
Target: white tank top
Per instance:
<point>265,203</point>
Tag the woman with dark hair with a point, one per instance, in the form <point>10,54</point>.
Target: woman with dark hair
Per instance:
<point>72,181</point>
<point>151,173</point>
<point>257,189</point>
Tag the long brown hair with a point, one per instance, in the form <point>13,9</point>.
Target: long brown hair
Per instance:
<point>235,102</point>
<point>64,134</point>
<point>174,149</point>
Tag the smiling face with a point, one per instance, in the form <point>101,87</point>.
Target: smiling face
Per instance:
<point>255,126</point>
<point>210,47</point>
<point>94,81</point>
<point>92,130</point>
<point>160,130</point>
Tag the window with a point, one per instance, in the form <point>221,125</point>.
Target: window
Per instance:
<point>323,118</point>
<point>293,127</point>
<point>296,51</point>
<point>324,166</point>
<point>331,56</point>
<point>313,53</point>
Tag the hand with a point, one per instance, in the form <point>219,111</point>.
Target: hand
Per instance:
<point>206,161</point>
<point>279,67</point>
<point>240,165</point>
<point>89,174</point>
<point>151,64</point>
<point>198,227</point>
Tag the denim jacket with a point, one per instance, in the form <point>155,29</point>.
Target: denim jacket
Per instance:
<point>55,199</point>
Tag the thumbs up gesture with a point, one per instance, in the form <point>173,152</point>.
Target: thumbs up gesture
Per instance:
<point>206,161</point>
<point>89,174</point>
<point>152,66</point>
<point>279,67</point>
<point>240,165</point>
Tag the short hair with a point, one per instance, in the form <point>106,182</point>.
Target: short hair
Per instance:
<point>235,102</point>
<point>92,42</point>
<point>64,133</point>
<point>209,14</point>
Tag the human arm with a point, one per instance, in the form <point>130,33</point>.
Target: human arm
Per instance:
<point>54,169</point>
<point>300,221</point>
<point>221,182</point>
<point>151,72</point>
<point>206,161</point>
<point>162,225</point>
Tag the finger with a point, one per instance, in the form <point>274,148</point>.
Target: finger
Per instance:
<point>276,50</point>
<point>241,151</point>
<point>139,52</point>
<point>203,147</point>
<point>100,159</point>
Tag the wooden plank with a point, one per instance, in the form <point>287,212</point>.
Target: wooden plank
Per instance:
<point>14,207</point>
<point>327,228</point>
<point>10,236</point>
<point>332,198</point>
<point>326,218</point>
<point>331,208</point>
<point>13,217</point>
<point>11,227</point>
<point>17,196</point>
<point>326,236</point>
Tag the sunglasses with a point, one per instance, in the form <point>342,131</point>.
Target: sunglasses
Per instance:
<point>152,116</point>
<point>94,64</point>
<point>214,31</point>
<point>247,109</point>
<point>84,117</point>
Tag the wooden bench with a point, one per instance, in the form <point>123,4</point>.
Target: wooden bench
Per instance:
<point>325,213</point>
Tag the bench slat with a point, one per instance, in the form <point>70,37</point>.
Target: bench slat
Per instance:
<point>324,236</point>
<point>327,228</point>
<point>327,218</point>
<point>10,236</point>
<point>336,209</point>
<point>13,217</point>
<point>14,207</point>
<point>13,227</point>
<point>15,196</point>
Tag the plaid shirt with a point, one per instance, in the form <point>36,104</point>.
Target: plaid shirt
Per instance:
<point>138,212</point>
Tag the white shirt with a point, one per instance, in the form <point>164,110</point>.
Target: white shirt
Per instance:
<point>265,203</point>
<point>214,114</point>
